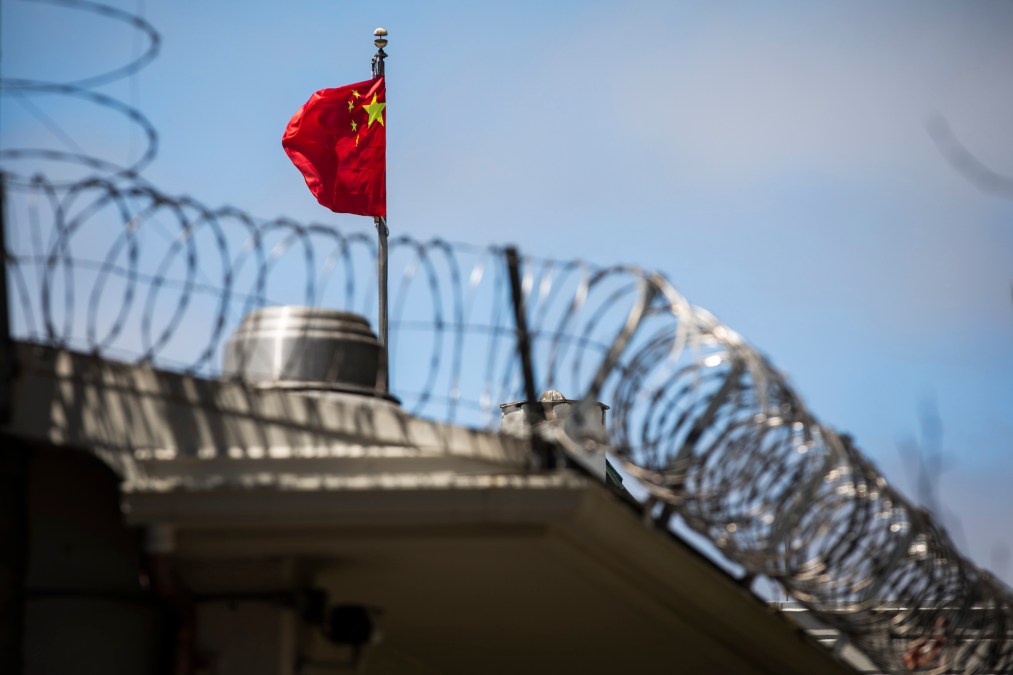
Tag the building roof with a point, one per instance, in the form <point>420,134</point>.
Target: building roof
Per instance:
<point>477,562</point>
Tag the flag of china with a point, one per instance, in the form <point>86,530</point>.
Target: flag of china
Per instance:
<point>338,140</point>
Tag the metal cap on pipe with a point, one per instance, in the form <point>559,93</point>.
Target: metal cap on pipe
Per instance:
<point>304,348</point>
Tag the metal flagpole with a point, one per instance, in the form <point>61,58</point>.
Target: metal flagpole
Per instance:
<point>383,377</point>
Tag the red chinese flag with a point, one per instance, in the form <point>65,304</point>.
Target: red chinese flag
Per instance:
<point>338,140</point>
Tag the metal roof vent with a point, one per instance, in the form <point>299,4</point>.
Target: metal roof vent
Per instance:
<point>582,419</point>
<point>305,348</point>
<point>556,406</point>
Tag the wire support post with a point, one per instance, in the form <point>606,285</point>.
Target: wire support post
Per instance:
<point>544,451</point>
<point>7,360</point>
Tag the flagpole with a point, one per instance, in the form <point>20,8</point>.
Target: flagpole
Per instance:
<point>383,377</point>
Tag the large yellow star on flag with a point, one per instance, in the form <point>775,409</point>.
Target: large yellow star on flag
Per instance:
<point>375,111</point>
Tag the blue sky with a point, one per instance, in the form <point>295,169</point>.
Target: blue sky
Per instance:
<point>774,161</point>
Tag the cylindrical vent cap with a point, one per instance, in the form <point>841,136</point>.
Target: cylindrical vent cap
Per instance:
<point>296,347</point>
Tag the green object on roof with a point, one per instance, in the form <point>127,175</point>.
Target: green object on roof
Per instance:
<point>613,479</point>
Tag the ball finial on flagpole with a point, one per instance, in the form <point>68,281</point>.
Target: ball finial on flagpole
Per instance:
<point>380,40</point>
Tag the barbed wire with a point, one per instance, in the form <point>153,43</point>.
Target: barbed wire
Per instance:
<point>175,279</point>
<point>715,435</point>
<point>965,162</point>
<point>25,90</point>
